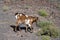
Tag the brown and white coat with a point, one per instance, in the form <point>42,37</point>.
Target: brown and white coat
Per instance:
<point>28,20</point>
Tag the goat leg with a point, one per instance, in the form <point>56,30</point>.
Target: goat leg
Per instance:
<point>31,31</point>
<point>26,29</point>
<point>15,29</point>
<point>16,26</point>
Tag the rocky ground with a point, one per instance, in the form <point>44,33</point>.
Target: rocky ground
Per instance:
<point>7,18</point>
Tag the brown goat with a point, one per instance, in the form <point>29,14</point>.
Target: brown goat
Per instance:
<point>28,20</point>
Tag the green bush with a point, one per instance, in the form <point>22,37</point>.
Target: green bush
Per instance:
<point>5,8</point>
<point>48,29</point>
<point>55,32</point>
<point>27,6</point>
<point>45,23</point>
<point>39,32</point>
<point>58,6</point>
<point>43,13</point>
<point>46,37</point>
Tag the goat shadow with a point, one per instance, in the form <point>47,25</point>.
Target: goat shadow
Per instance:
<point>19,27</point>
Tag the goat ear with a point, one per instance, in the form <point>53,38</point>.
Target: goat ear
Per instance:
<point>16,13</point>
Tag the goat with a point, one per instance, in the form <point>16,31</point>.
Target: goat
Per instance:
<point>25,19</point>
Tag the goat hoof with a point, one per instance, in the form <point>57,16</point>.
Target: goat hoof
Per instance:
<point>26,31</point>
<point>21,35</point>
<point>31,31</point>
<point>15,31</point>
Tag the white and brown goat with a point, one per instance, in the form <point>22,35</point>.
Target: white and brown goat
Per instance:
<point>28,20</point>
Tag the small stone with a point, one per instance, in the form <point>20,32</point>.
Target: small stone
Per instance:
<point>21,35</point>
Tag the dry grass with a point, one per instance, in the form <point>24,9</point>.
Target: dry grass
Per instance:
<point>43,12</point>
<point>48,29</point>
<point>5,8</point>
